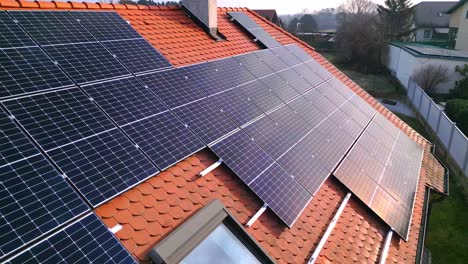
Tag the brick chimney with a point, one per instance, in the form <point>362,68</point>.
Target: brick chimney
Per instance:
<point>206,13</point>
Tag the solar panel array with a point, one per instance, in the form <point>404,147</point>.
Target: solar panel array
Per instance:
<point>88,103</point>
<point>382,169</point>
<point>254,29</point>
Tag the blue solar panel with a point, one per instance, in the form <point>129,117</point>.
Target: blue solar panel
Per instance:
<point>295,80</point>
<point>264,37</point>
<point>260,95</point>
<point>331,94</point>
<point>270,59</point>
<point>125,100</point>
<point>279,86</point>
<point>320,102</point>
<point>86,62</point>
<point>319,69</point>
<point>237,106</point>
<point>229,74</point>
<point>85,241</point>
<point>206,120</point>
<point>311,77</point>
<point>254,29</point>
<point>286,55</point>
<point>299,52</point>
<point>35,198</point>
<point>163,138</point>
<point>307,111</point>
<point>254,65</point>
<point>52,27</point>
<point>11,35</point>
<point>290,122</point>
<point>27,70</point>
<point>137,55</point>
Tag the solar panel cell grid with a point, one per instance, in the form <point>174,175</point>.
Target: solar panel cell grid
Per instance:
<point>295,80</point>
<point>106,25</point>
<point>254,65</point>
<point>311,77</point>
<point>265,38</point>
<point>86,62</point>
<point>229,73</point>
<point>11,35</point>
<point>137,55</point>
<point>244,20</point>
<point>290,122</point>
<point>356,180</point>
<point>164,139</point>
<point>52,27</point>
<point>85,241</point>
<point>307,111</point>
<point>320,102</point>
<point>27,70</point>
<point>279,86</point>
<point>261,95</point>
<point>299,52</point>
<point>326,90</point>
<point>236,105</point>
<point>270,59</point>
<point>125,100</point>
<point>319,69</point>
<point>286,56</point>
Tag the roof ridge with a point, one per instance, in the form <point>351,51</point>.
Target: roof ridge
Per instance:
<point>79,5</point>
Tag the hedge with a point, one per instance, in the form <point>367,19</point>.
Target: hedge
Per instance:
<point>457,110</point>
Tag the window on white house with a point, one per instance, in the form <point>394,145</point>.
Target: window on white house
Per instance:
<point>427,33</point>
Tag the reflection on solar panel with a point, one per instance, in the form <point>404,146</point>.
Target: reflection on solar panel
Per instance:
<point>236,106</point>
<point>11,35</point>
<point>164,139</point>
<point>106,25</point>
<point>227,73</point>
<point>85,241</point>
<point>35,198</point>
<point>386,181</point>
<point>253,64</point>
<point>28,70</point>
<point>279,87</point>
<point>307,111</point>
<point>254,29</point>
<point>86,62</point>
<point>137,55</point>
<point>270,59</point>
<point>295,80</point>
<point>319,69</point>
<point>288,57</point>
<point>52,27</point>
<point>262,96</point>
<point>308,75</point>
<point>291,122</point>
<point>320,102</point>
<point>299,52</point>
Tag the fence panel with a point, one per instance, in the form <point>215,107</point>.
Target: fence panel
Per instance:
<point>434,115</point>
<point>411,87</point>
<point>417,97</point>
<point>458,147</point>
<point>425,103</point>
<point>445,129</point>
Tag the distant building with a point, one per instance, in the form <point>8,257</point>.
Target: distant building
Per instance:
<point>270,15</point>
<point>459,25</point>
<point>431,23</point>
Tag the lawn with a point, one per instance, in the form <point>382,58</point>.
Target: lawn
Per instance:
<point>447,230</point>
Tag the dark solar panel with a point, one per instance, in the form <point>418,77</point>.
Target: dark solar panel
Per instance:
<point>137,55</point>
<point>307,111</point>
<point>319,69</point>
<point>279,86</point>
<point>57,118</point>
<point>304,168</point>
<point>206,78</point>
<point>28,70</point>
<point>363,106</point>
<point>236,105</point>
<point>253,28</point>
<point>34,197</point>
<point>87,240</point>
<point>125,100</point>
<point>106,25</point>
<point>311,77</point>
<point>52,27</point>
<point>299,52</point>
<point>357,180</point>
<point>352,111</point>
<point>173,87</point>
<point>270,136</point>
<point>320,102</point>
<point>286,56</point>
<point>206,120</point>
<point>323,149</point>
<point>260,95</point>
<point>163,138</point>
<point>244,20</point>
<point>295,80</point>
<point>86,62</point>
<point>11,35</point>
<point>331,94</point>
<point>284,195</point>
<point>245,158</point>
<point>290,122</point>
<point>270,59</point>
<point>264,37</point>
<point>254,65</point>
<point>341,88</point>
<point>228,73</point>
<point>103,165</point>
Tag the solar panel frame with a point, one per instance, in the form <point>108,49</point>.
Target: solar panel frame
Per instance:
<point>299,52</point>
<point>264,37</point>
<point>137,55</point>
<point>11,34</point>
<point>29,70</point>
<point>244,20</point>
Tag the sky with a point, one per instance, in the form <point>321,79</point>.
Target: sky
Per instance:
<point>291,6</point>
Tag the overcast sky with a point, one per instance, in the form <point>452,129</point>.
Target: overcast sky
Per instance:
<point>290,6</point>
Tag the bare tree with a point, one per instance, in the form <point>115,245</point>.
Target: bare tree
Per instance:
<point>430,75</point>
<point>358,7</point>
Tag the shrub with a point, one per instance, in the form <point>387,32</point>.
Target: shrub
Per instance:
<point>429,76</point>
<point>457,110</point>
<point>461,86</point>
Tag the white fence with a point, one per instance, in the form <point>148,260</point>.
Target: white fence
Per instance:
<point>455,142</point>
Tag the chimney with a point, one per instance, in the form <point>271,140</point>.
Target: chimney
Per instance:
<point>205,12</point>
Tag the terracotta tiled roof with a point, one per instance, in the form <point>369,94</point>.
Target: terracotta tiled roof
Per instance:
<point>156,207</point>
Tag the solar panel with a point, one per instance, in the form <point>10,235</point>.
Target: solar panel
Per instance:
<point>284,195</point>
<point>52,27</point>
<point>264,37</point>
<point>244,20</point>
<point>245,158</point>
<point>289,58</point>
<point>106,25</point>
<point>299,52</point>
<point>270,136</point>
<point>270,59</point>
<point>86,62</point>
<point>295,80</point>
<point>262,96</point>
<point>137,55</point>
<point>352,111</point>
<point>311,77</point>
<point>11,35</point>
<point>279,86</point>
<point>254,65</point>
<point>125,100</point>
<point>236,105</point>
<point>363,106</point>
<point>290,122</point>
<point>307,111</point>
<point>320,102</point>
<point>319,69</point>
<point>57,118</point>
<point>206,120</point>
<point>304,168</point>
<point>357,180</point>
<point>323,149</point>
<point>35,198</point>
<point>173,87</point>
<point>341,88</point>
<point>331,94</point>
<point>87,240</point>
<point>228,73</point>
<point>27,70</point>
<point>253,28</point>
<point>163,138</point>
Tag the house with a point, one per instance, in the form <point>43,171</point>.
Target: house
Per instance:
<point>431,23</point>
<point>459,25</point>
<point>270,15</point>
<point>63,128</point>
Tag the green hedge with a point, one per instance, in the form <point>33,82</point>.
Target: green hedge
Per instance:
<point>457,110</point>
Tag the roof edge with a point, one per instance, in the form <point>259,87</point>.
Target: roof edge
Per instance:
<point>456,6</point>
<point>79,5</point>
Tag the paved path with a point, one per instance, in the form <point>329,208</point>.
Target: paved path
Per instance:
<point>401,107</point>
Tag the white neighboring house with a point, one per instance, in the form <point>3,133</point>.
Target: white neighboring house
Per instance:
<point>431,22</point>
<point>459,25</point>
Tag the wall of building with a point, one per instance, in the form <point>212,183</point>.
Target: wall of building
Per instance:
<point>419,34</point>
<point>462,37</point>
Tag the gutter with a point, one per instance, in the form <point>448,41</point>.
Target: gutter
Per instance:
<point>422,234</point>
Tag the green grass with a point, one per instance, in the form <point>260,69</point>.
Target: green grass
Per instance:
<point>447,230</point>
